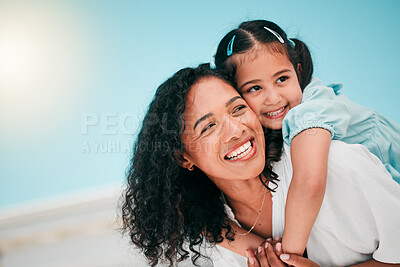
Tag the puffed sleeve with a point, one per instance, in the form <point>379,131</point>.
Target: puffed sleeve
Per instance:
<point>320,108</point>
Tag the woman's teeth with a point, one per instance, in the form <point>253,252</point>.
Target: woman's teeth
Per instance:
<point>270,114</point>
<point>240,152</point>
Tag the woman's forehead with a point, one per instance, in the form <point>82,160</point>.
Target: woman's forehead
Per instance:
<point>209,95</point>
<point>210,89</point>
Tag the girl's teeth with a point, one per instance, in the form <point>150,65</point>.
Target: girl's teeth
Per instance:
<point>275,112</point>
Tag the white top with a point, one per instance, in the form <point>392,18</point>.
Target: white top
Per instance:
<point>359,217</point>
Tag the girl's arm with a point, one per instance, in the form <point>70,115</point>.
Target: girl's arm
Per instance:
<point>309,155</point>
<point>241,242</point>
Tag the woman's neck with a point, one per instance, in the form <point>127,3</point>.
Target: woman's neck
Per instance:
<point>243,194</point>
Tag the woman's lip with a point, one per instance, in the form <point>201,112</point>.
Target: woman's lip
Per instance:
<point>277,115</point>
<point>251,153</point>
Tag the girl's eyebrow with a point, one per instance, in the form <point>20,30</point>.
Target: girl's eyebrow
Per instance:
<point>280,72</point>
<point>246,83</point>
<point>258,80</point>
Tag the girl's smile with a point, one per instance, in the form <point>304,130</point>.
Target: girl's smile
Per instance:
<point>277,113</point>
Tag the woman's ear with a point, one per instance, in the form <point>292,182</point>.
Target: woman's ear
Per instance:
<point>184,161</point>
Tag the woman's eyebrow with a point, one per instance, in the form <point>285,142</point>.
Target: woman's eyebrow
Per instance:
<point>230,101</point>
<point>233,99</point>
<point>202,119</point>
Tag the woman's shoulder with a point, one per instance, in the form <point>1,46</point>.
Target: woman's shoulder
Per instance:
<point>361,206</point>
<point>353,155</point>
<point>353,168</point>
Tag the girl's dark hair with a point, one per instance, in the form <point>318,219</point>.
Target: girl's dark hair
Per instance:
<point>169,210</point>
<point>248,36</point>
<point>252,33</point>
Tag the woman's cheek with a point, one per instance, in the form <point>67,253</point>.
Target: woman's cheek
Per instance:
<point>207,146</point>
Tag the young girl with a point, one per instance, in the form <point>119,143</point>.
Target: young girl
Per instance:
<point>274,75</point>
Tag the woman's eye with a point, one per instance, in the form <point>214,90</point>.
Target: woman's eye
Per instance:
<point>254,88</point>
<point>282,79</point>
<point>239,108</point>
<point>207,127</point>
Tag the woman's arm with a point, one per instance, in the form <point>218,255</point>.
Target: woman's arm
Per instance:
<point>309,155</point>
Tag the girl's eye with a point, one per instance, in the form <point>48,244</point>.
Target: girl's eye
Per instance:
<point>209,126</point>
<point>254,88</point>
<point>239,108</point>
<point>282,79</point>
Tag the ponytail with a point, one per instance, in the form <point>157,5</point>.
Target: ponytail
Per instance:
<point>300,54</point>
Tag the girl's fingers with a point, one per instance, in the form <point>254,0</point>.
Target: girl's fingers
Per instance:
<point>296,260</point>
<point>278,238</point>
<point>273,259</point>
<point>251,259</point>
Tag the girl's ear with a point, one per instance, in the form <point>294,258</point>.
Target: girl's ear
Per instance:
<point>185,162</point>
<point>299,71</point>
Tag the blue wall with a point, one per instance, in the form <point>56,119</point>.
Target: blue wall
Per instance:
<point>76,76</point>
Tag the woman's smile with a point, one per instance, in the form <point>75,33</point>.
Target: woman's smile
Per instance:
<point>243,153</point>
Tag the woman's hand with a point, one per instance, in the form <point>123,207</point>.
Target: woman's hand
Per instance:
<point>270,254</point>
<point>265,256</point>
<point>295,260</point>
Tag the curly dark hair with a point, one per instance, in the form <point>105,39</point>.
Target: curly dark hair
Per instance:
<point>168,210</point>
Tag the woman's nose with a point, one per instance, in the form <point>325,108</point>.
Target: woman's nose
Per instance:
<point>233,128</point>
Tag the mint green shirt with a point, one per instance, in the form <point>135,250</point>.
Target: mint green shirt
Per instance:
<point>326,107</point>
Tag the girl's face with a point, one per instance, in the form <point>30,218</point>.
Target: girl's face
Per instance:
<point>269,84</point>
<point>222,135</point>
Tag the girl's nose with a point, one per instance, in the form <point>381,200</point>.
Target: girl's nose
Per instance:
<point>272,97</point>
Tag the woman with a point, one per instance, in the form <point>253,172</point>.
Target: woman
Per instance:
<point>200,147</point>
